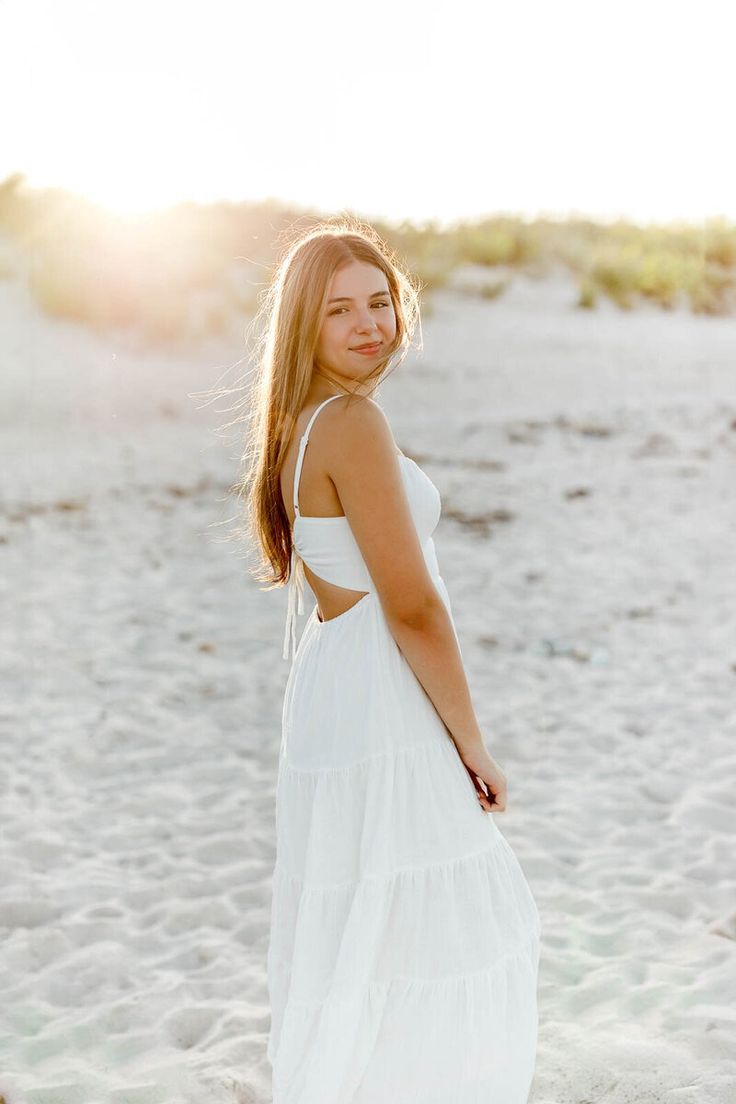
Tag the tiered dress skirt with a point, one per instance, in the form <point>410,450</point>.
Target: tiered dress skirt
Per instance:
<point>404,945</point>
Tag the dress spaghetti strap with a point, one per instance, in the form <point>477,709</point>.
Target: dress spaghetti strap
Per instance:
<point>295,602</point>
<point>302,449</point>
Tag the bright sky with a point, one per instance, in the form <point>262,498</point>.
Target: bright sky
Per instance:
<point>400,108</point>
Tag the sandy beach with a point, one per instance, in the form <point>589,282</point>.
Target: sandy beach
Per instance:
<point>586,464</point>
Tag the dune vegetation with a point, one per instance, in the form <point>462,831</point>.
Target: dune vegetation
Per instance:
<point>186,272</point>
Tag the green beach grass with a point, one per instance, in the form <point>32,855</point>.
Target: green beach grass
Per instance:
<point>183,273</point>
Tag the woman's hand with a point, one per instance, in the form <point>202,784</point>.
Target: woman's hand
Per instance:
<point>483,768</point>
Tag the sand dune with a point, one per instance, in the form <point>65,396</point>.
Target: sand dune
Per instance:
<point>586,465</point>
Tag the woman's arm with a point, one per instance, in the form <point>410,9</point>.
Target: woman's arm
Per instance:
<point>363,464</point>
<point>362,461</point>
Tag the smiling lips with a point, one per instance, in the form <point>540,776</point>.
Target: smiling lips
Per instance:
<point>366,350</point>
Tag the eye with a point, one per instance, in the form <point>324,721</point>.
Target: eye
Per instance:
<point>380,303</point>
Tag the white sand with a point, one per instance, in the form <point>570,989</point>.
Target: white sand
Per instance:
<point>142,686</point>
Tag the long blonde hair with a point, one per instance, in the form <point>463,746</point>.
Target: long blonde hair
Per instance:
<point>293,308</point>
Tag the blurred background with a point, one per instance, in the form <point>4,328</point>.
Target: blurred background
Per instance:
<point>153,152</point>
<point>560,179</point>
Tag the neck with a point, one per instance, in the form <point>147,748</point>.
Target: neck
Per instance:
<point>325,385</point>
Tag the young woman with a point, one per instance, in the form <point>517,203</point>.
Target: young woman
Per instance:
<point>404,945</point>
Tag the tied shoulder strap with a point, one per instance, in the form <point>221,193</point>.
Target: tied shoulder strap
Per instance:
<point>295,602</point>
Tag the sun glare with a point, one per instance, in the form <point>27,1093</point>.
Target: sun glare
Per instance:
<point>141,106</point>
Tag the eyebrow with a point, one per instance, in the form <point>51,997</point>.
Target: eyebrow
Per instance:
<point>347,299</point>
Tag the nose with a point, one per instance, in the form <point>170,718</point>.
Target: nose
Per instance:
<point>366,322</point>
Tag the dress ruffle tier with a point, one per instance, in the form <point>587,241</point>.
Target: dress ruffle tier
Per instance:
<point>404,932</point>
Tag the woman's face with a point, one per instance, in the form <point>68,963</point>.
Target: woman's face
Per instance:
<point>359,311</point>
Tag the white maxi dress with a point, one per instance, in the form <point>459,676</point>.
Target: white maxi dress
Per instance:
<point>404,942</point>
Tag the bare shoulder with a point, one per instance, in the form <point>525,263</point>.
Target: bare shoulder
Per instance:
<point>362,461</point>
<point>357,426</point>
